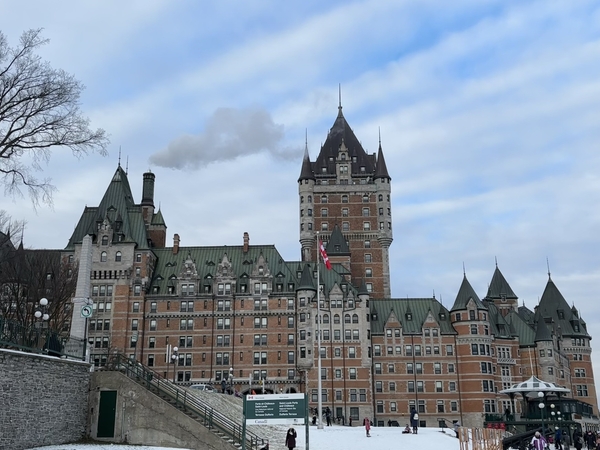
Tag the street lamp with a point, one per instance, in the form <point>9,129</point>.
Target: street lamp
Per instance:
<point>42,315</point>
<point>541,406</point>
<point>174,357</point>
<point>231,380</point>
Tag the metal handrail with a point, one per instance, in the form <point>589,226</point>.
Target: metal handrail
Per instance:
<point>208,416</point>
<point>14,334</point>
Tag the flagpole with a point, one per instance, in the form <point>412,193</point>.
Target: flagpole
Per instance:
<point>320,396</point>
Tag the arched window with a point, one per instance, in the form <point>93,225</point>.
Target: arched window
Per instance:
<point>309,199</point>
<point>344,198</point>
<point>380,197</point>
<point>354,318</point>
<point>103,257</point>
<point>104,240</point>
<point>347,318</point>
<point>325,318</point>
<point>336,319</point>
<point>323,199</point>
<point>118,256</point>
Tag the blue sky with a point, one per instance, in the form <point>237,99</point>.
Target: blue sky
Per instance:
<point>487,111</point>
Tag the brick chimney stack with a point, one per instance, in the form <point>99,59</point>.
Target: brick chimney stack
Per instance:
<point>175,244</point>
<point>246,242</point>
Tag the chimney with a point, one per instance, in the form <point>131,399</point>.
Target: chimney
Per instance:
<point>175,244</point>
<point>246,242</point>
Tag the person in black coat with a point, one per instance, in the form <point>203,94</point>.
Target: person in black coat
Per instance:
<point>414,420</point>
<point>290,438</point>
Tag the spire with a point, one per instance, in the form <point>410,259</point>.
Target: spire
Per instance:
<point>340,98</point>
<point>548,265</point>
<point>499,287</point>
<point>306,280</point>
<point>542,333</point>
<point>381,168</point>
<point>337,245</point>
<point>306,173</point>
<point>466,293</point>
<point>363,288</point>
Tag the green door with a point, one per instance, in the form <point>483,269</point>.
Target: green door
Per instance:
<point>106,414</point>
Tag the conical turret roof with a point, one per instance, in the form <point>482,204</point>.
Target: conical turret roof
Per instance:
<point>465,294</point>
<point>381,168</point>
<point>499,287</point>
<point>337,245</point>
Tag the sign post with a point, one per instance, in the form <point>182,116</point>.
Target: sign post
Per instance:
<point>288,409</point>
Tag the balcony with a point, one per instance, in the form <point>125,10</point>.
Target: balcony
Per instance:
<point>507,361</point>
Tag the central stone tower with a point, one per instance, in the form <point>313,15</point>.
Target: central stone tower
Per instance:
<point>347,191</point>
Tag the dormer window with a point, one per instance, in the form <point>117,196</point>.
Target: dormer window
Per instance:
<point>104,240</point>
<point>261,270</point>
<point>561,314</point>
<point>408,316</point>
<point>472,314</point>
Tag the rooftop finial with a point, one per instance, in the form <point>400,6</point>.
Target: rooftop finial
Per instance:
<point>496,260</point>
<point>379,129</point>
<point>340,95</point>
<point>464,270</point>
<point>127,166</point>
<point>548,265</point>
<point>306,138</point>
<point>119,156</point>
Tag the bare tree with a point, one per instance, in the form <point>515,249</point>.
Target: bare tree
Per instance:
<point>26,276</point>
<point>39,111</point>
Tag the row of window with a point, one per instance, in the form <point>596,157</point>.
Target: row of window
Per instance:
<point>412,368</point>
<point>346,226</point>
<point>410,350</point>
<point>366,212</point>
<point>344,198</point>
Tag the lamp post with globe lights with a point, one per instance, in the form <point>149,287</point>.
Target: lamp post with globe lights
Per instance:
<point>231,380</point>
<point>42,316</point>
<point>541,405</point>
<point>174,358</point>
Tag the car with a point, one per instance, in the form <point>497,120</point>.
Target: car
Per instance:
<point>203,387</point>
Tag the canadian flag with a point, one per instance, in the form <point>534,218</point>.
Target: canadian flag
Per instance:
<point>324,255</point>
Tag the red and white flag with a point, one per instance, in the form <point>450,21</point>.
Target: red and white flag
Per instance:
<point>324,255</point>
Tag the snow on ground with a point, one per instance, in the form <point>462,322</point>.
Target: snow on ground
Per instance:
<point>335,437</point>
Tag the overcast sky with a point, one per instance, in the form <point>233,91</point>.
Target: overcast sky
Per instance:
<point>488,114</point>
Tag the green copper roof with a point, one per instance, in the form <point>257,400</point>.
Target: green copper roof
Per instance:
<point>554,308</point>
<point>465,294</point>
<point>499,287</point>
<point>411,312</point>
<point>337,245</point>
<point>117,206</point>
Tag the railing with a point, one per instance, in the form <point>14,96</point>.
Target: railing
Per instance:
<point>191,403</point>
<point>37,339</point>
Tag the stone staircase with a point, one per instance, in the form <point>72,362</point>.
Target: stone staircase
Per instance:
<point>220,413</point>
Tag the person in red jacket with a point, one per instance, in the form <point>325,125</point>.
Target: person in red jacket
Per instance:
<point>367,423</point>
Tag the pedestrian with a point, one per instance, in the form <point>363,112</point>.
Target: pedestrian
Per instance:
<point>367,423</point>
<point>414,420</point>
<point>223,385</point>
<point>538,442</point>
<point>328,416</point>
<point>456,427</point>
<point>389,422</point>
<point>558,439</point>
<point>577,440</point>
<point>290,438</point>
